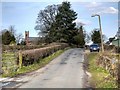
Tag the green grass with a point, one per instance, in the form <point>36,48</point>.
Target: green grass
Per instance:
<point>35,66</point>
<point>9,62</point>
<point>100,77</point>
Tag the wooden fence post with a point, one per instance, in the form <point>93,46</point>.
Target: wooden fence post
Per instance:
<point>20,59</point>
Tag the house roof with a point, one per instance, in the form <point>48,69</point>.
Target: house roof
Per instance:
<point>33,38</point>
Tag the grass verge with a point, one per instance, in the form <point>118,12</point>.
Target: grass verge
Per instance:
<point>100,77</point>
<point>35,66</point>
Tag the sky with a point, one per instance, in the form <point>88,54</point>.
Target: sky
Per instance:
<point>23,14</point>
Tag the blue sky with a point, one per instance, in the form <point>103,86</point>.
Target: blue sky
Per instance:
<point>23,15</point>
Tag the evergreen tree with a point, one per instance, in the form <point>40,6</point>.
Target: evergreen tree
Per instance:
<point>7,38</point>
<point>96,36</point>
<point>64,26</point>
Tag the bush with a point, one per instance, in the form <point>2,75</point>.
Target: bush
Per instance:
<point>112,47</point>
<point>19,47</point>
<point>34,55</point>
<point>109,47</point>
<point>117,49</point>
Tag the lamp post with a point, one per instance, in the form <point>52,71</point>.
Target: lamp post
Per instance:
<point>102,47</point>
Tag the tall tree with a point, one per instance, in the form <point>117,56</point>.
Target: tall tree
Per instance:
<point>45,19</point>
<point>13,33</point>
<point>96,36</point>
<point>12,30</point>
<point>64,24</point>
<point>19,38</point>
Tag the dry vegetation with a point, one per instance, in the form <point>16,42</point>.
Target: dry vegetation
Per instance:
<point>15,61</point>
<point>104,69</point>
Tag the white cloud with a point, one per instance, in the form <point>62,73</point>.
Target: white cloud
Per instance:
<point>109,10</point>
<point>82,22</point>
<point>58,0</point>
<point>98,8</point>
<point>93,5</point>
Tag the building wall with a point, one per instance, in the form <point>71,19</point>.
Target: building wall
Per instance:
<point>30,40</point>
<point>115,42</point>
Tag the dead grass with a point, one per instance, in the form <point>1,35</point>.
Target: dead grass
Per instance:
<point>100,77</point>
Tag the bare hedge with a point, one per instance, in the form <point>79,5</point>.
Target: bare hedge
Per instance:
<point>110,63</point>
<point>20,47</point>
<point>112,48</point>
<point>34,55</point>
<point>12,61</point>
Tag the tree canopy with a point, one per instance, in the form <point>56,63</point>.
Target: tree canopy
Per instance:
<point>7,37</point>
<point>57,24</point>
<point>96,36</point>
<point>45,19</point>
<point>79,39</point>
<point>64,24</point>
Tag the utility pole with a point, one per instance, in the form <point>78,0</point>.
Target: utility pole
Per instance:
<point>102,47</point>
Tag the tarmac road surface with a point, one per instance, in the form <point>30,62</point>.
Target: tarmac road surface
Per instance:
<point>65,71</point>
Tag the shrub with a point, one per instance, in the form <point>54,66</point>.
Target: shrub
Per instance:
<point>19,47</point>
<point>117,49</point>
<point>112,48</point>
<point>34,55</point>
<point>109,47</point>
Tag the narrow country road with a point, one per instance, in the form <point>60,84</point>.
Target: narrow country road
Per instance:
<point>65,71</point>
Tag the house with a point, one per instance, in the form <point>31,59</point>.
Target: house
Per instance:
<point>116,42</point>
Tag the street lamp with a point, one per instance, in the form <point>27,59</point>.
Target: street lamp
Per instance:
<point>102,47</point>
